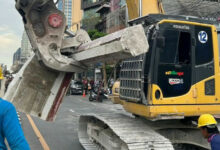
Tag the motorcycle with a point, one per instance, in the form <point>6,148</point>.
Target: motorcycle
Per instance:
<point>98,94</point>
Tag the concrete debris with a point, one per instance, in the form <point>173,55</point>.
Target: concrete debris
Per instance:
<point>38,91</point>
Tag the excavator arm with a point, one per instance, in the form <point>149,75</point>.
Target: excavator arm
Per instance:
<point>41,84</point>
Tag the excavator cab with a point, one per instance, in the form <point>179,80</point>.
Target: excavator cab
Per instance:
<point>180,70</point>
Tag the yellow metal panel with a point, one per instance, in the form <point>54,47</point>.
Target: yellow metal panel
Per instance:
<point>155,111</point>
<point>215,48</point>
<point>187,98</point>
<point>202,98</point>
<point>77,14</point>
<point>186,22</point>
<point>1,74</point>
<point>150,7</point>
<point>217,86</point>
<point>116,86</point>
<point>116,99</point>
<point>133,9</point>
<point>194,96</point>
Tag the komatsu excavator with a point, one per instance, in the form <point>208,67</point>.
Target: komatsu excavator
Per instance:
<point>170,75</point>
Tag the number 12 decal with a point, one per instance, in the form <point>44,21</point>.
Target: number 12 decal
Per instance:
<point>203,37</point>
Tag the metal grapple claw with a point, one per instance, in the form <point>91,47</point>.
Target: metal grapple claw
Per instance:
<point>45,26</point>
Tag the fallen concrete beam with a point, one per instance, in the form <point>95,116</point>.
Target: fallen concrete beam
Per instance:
<point>39,91</point>
<point>120,45</point>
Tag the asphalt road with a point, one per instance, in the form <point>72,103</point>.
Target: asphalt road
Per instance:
<point>62,134</point>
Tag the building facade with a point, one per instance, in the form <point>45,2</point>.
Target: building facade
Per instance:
<point>22,54</point>
<point>113,16</point>
<point>90,17</point>
<point>26,48</point>
<point>17,56</point>
<point>17,64</point>
<point>72,11</point>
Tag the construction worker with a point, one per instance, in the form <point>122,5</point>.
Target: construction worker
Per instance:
<point>209,130</point>
<point>10,128</point>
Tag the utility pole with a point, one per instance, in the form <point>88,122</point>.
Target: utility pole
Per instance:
<point>140,8</point>
<point>104,76</point>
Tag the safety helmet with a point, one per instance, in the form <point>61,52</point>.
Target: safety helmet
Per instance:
<point>205,120</point>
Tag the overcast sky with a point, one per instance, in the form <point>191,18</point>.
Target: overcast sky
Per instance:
<point>11,29</point>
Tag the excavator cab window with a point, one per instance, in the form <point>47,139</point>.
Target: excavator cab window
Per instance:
<point>175,63</point>
<point>177,49</point>
<point>204,47</point>
<point>171,43</point>
<point>184,49</point>
<point>204,54</point>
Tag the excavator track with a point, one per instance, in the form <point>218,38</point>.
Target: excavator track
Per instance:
<point>119,132</point>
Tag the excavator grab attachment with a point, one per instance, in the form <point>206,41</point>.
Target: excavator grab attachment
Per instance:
<point>45,26</point>
<point>41,84</point>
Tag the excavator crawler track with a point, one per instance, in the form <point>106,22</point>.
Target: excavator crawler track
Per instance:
<point>119,132</point>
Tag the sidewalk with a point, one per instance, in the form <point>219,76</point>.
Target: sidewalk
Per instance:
<point>2,88</point>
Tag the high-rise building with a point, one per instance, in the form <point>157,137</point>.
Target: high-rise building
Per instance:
<point>72,11</point>
<point>17,56</point>
<point>17,64</point>
<point>22,54</point>
<point>26,48</point>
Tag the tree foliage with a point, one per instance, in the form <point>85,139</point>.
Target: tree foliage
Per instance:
<point>94,34</point>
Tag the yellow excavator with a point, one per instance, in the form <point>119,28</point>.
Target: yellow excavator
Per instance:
<point>170,75</point>
<point>170,85</point>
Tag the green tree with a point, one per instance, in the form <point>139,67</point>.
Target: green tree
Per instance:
<point>94,34</point>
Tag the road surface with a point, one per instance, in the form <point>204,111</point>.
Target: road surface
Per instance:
<point>62,134</point>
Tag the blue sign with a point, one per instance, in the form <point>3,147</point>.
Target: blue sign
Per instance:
<point>203,37</point>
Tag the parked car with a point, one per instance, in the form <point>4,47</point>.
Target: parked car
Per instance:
<point>76,87</point>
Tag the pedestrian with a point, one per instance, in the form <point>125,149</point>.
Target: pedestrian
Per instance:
<point>111,83</point>
<point>85,85</point>
<point>10,128</point>
<point>92,84</point>
<point>209,130</point>
<point>8,81</point>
